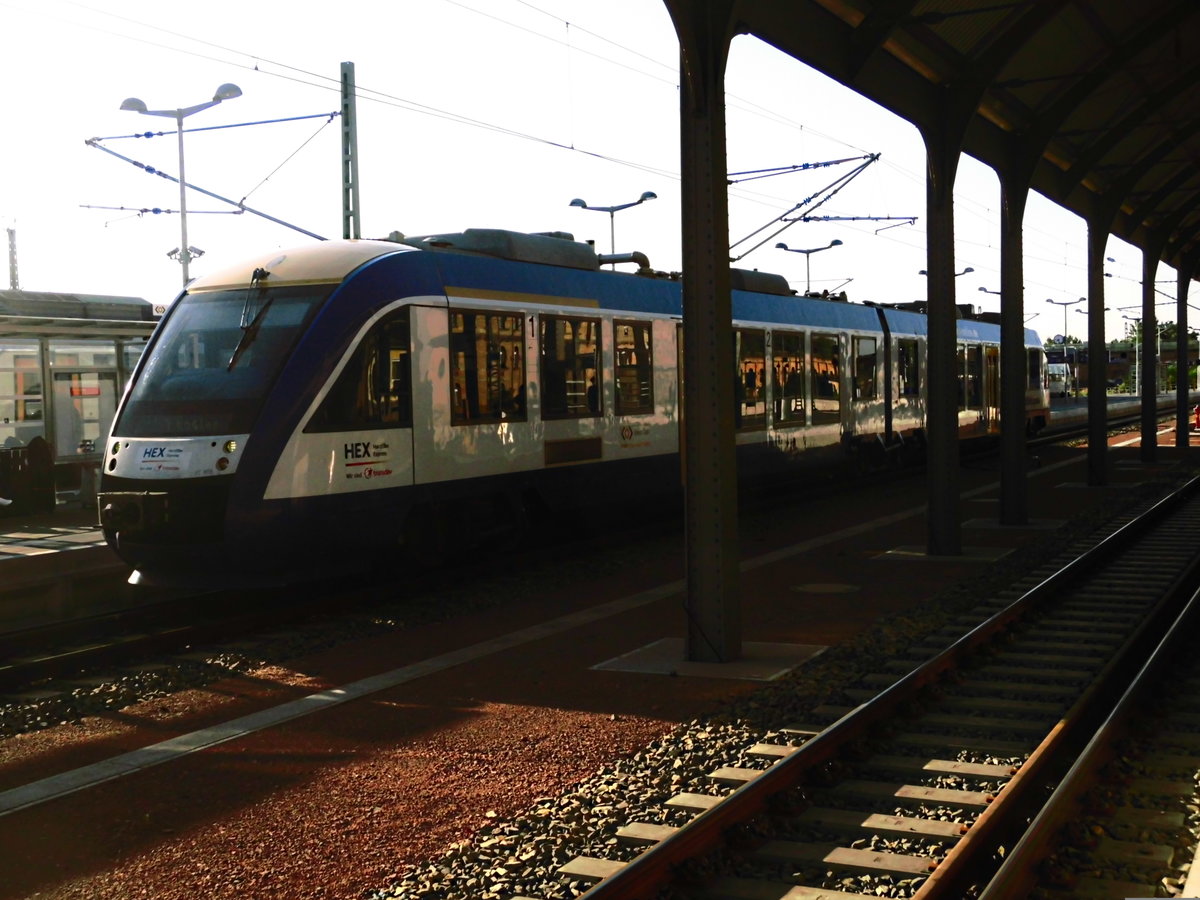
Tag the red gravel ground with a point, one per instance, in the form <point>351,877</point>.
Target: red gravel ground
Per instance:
<point>338,803</point>
<point>294,812</point>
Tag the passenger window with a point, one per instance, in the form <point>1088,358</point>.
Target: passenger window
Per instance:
<point>962,377</point>
<point>864,369</point>
<point>374,390</point>
<point>908,368</point>
<point>975,377</point>
<point>635,368</point>
<point>570,367</point>
<point>750,351</point>
<point>487,367</point>
<point>1035,370</point>
<point>787,353</point>
<point>826,375</point>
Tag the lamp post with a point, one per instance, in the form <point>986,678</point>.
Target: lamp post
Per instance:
<point>133,104</point>
<point>808,259</point>
<point>1064,304</point>
<point>612,215</point>
<point>1137,369</point>
<point>963,272</point>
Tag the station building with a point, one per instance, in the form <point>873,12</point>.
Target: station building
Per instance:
<point>64,362</point>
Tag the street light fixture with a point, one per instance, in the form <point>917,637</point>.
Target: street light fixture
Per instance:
<point>1137,369</point>
<point>1064,304</point>
<point>133,104</point>
<point>612,215</point>
<point>956,274</point>
<point>808,259</point>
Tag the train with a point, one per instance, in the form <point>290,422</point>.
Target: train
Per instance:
<point>350,404</point>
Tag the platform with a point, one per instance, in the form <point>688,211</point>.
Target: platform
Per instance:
<point>69,527</point>
<point>56,566</point>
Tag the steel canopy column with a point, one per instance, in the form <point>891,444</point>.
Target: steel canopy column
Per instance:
<point>713,611</point>
<point>1183,358</point>
<point>1014,505</point>
<point>1097,455</point>
<point>941,411</point>
<point>1149,355</point>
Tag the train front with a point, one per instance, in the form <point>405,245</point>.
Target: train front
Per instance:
<point>188,457</point>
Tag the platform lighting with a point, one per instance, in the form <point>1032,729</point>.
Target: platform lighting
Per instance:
<point>808,259</point>
<point>1065,304</point>
<point>1137,368</point>
<point>612,215</point>
<point>956,274</point>
<point>226,91</point>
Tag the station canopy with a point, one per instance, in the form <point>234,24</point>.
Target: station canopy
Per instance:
<point>59,315</point>
<point>1096,103</point>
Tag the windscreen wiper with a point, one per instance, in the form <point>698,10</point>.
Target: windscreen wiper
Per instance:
<point>250,331</point>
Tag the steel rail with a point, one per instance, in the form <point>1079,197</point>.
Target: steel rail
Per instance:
<point>1017,874</point>
<point>961,865</point>
<point>648,873</point>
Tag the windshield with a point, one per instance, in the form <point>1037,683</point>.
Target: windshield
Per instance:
<point>189,386</point>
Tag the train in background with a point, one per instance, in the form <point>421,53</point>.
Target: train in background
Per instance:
<point>354,403</point>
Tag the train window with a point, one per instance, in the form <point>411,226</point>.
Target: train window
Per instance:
<point>974,377</point>
<point>750,352</point>
<point>487,367</point>
<point>207,374</point>
<point>1035,370</point>
<point>908,367</point>
<point>570,367</point>
<point>787,358</point>
<point>962,377</point>
<point>864,369</point>
<point>826,375</point>
<point>374,389</point>
<point>635,368</point>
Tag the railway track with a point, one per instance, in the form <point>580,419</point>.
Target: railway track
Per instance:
<point>920,783</point>
<point>1122,809</point>
<point>166,620</point>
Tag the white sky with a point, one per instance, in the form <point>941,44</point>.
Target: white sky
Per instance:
<point>472,113</point>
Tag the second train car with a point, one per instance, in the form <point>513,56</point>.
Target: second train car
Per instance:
<point>327,408</point>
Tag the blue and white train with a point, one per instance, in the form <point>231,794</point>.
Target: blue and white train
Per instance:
<point>326,408</point>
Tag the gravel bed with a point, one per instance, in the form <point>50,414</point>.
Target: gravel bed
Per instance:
<point>584,821</point>
<point>518,852</point>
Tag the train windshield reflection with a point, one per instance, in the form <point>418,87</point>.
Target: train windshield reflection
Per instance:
<point>189,387</point>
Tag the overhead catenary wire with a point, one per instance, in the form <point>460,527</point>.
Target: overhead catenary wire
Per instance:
<point>305,77</point>
<point>153,171</point>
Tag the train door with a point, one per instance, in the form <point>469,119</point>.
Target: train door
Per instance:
<point>826,388</point>
<point>359,438</point>
<point>991,385</point>
<point>866,411</point>
<point>477,394</point>
<point>751,388</point>
<point>909,407</point>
